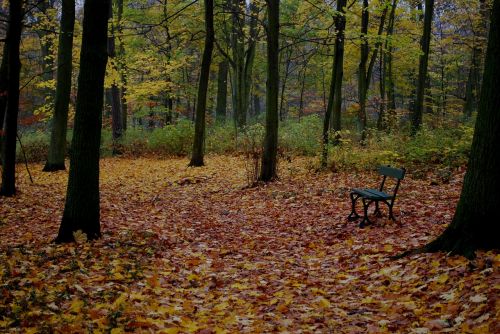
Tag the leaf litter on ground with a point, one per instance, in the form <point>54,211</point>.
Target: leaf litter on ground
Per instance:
<point>191,250</point>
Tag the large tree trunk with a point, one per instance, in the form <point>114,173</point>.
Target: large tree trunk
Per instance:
<point>417,112</point>
<point>476,217</point>
<point>13,40</point>
<point>333,109</point>
<point>81,211</point>
<point>201,103</point>
<point>57,148</point>
<point>221,104</point>
<point>268,170</point>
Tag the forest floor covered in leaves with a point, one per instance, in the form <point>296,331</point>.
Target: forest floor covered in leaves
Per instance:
<point>191,250</point>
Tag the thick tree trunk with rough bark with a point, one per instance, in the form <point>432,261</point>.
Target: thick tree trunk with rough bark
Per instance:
<point>201,103</point>
<point>57,148</point>
<point>333,109</point>
<point>268,170</point>
<point>13,41</point>
<point>476,217</point>
<point>418,109</point>
<point>81,211</point>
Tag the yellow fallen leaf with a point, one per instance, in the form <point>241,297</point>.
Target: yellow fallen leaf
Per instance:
<point>221,306</point>
<point>442,278</point>
<point>323,302</point>
<point>76,305</point>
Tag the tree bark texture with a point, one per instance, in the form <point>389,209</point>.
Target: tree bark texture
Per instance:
<point>115,98</point>
<point>221,103</point>
<point>201,103</point>
<point>333,109</point>
<point>268,170</point>
<point>13,41</point>
<point>57,148</point>
<point>476,217</point>
<point>417,112</point>
<point>81,211</point>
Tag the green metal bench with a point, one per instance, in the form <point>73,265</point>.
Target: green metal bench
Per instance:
<point>368,196</point>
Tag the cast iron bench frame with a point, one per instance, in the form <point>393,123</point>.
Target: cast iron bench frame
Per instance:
<point>368,196</point>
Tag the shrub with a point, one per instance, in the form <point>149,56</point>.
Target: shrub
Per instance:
<point>174,139</point>
<point>35,145</point>
<point>302,138</point>
<point>221,139</point>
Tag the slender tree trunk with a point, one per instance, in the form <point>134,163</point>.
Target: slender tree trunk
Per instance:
<point>268,171</point>
<point>45,48</point>
<point>416,116</point>
<point>250,57</point>
<point>122,66</point>
<point>302,91</point>
<point>3,88</point>
<point>256,104</point>
<point>201,104</point>
<point>81,211</point>
<point>57,148</point>
<point>238,48</point>
<point>475,221</point>
<point>362,79</point>
<point>339,67</point>
<point>389,80</point>
<point>381,122</point>
<point>473,85</point>
<point>428,103</point>
<point>283,85</point>
<point>115,98</point>
<point>335,95</point>
<point>221,104</point>
<point>13,40</point>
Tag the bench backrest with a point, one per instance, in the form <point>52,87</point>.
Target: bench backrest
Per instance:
<point>396,173</point>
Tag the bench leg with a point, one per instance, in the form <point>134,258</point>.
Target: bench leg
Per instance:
<point>377,211</point>
<point>365,221</point>
<point>353,215</point>
<point>391,214</point>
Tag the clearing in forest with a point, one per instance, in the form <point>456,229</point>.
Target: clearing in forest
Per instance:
<point>190,250</point>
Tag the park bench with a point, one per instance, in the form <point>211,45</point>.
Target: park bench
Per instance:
<point>368,196</point>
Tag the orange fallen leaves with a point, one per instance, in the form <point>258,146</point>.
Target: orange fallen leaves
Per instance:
<point>190,251</point>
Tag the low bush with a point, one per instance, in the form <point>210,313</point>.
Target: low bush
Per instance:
<point>446,146</point>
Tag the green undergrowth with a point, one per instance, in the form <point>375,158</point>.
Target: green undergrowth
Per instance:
<point>445,146</point>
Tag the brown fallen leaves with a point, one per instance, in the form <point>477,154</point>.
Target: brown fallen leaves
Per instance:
<point>190,251</point>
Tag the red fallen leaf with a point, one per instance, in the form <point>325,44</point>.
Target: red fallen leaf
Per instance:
<point>134,324</point>
<point>205,331</point>
<point>194,262</point>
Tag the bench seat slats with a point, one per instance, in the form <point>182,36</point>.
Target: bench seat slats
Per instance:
<point>372,193</point>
